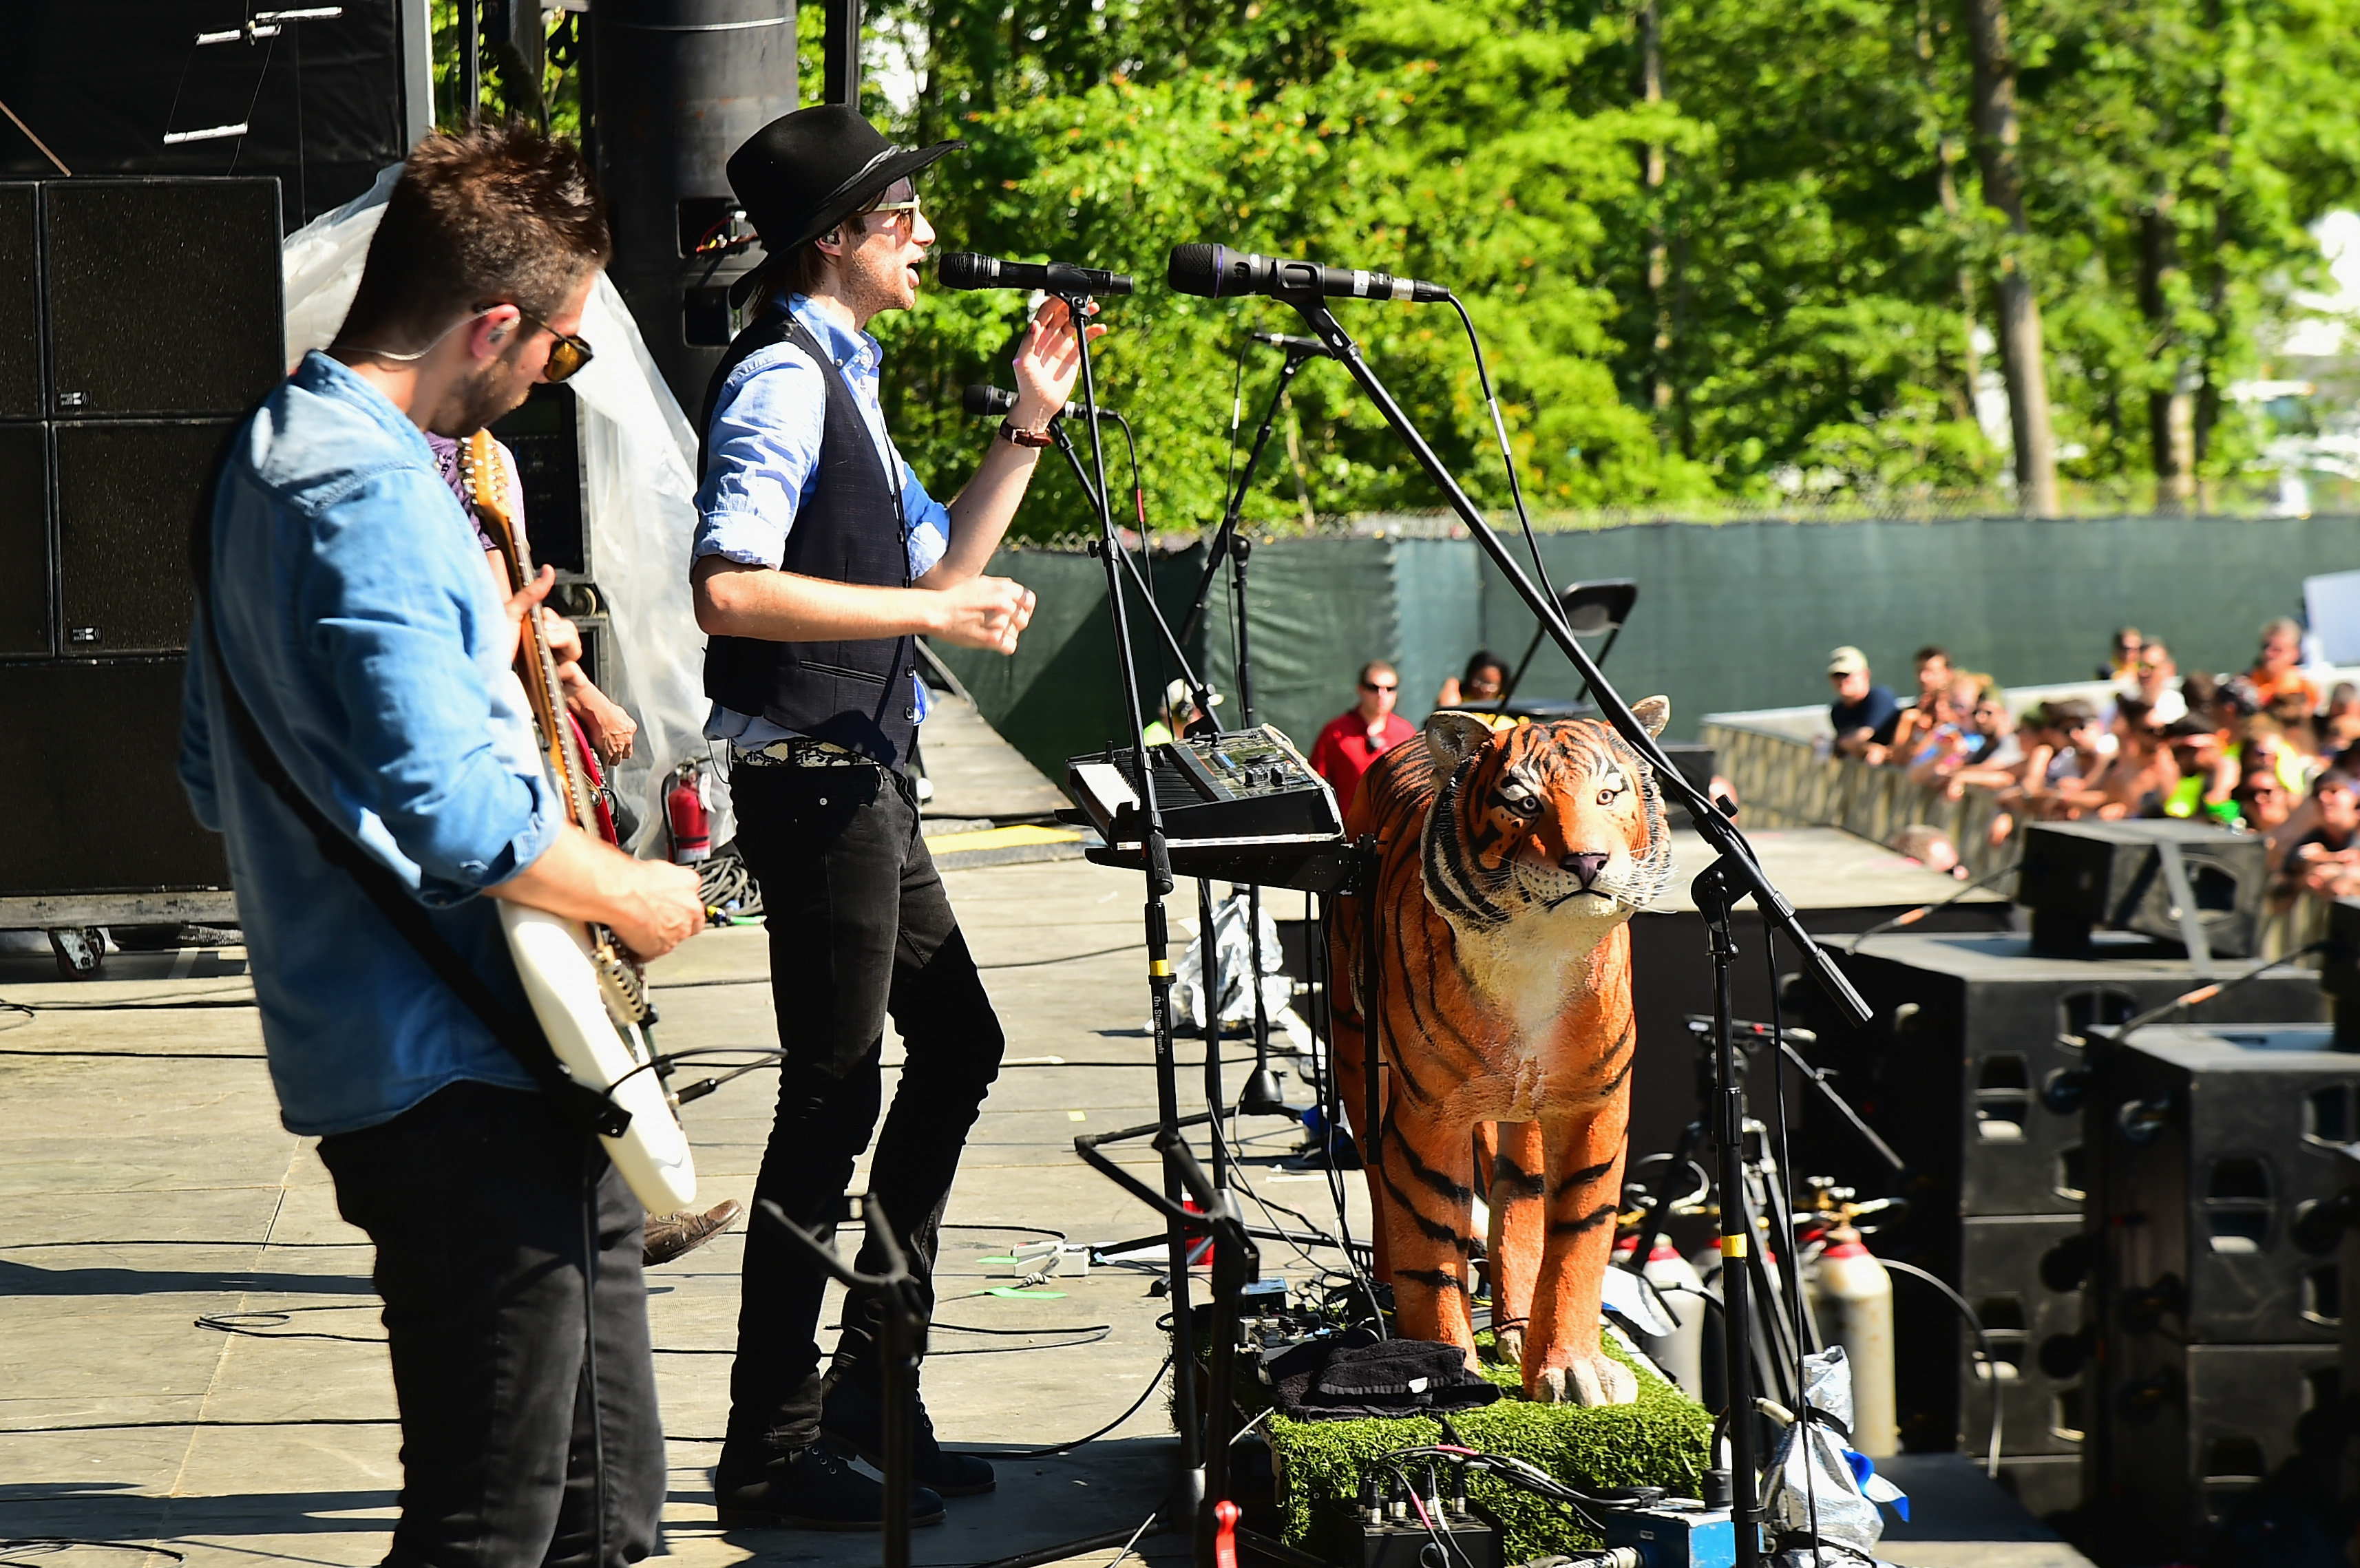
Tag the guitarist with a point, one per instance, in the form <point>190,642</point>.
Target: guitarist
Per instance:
<point>819,559</point>
<point>369,701</point>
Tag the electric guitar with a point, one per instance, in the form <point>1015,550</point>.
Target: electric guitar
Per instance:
<point>585,989</point>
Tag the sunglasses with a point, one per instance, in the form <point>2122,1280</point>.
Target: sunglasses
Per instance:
<point>1372,686</point>
<point>896,210</point>
<point>568,353</point>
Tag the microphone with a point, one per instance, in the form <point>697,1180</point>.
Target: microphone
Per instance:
<point>1217,272</point>
<point>1312,346</point>
<point>982,399</point>
<point>965,269</point>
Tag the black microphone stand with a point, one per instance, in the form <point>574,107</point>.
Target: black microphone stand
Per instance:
<point>1734,874</point>
<point>1261,1094</point>
<point>1183,1506</point>
<point>900,1345</point>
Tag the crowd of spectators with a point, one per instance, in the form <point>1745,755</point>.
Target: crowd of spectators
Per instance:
<point>2263,750</point>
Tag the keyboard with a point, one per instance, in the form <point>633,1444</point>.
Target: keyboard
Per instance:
<point>1241,805</point>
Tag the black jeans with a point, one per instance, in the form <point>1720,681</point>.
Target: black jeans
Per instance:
<point>860,929</point>
<point>475,1199</point>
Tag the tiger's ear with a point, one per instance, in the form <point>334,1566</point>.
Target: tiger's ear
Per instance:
<point>1454,737</point>
<point>1653,711</point>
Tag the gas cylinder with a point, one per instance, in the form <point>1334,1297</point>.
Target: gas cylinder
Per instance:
<point>1853,1296</point>
<point>688,814</point>
<point>1681,1352</point>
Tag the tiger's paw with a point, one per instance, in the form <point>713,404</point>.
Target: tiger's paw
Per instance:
<point>1508,1347</point>
<point>1598,1379</point>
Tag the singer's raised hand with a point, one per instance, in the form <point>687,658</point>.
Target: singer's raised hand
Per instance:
<point>1046,363</point>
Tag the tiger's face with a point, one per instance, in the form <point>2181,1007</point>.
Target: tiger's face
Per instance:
<point>1557,820</point>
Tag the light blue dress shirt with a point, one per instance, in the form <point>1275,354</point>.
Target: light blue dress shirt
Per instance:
<point>762,462</point>
<point>363,635</point>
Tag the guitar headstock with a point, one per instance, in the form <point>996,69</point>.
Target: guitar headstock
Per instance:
<point>490,486</point>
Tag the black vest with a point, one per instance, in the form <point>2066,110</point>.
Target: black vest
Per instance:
<point>849,530</point>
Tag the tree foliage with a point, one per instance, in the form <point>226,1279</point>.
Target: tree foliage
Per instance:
<point>1827,256</point>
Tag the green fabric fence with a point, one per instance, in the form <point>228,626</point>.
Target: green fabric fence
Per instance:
<point>1730,617</point>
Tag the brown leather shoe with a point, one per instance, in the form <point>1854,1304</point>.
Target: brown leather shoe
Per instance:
<point>670,1236</point>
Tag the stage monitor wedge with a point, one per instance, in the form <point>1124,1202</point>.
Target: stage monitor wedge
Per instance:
<point>164,296</point>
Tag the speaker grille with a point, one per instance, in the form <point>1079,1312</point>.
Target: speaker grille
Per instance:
<point>126,496</point>
<point>545,434</point>
<point>24,540</point>
<point>98,815</point>
<point>164,296</point>
<point>20,305</point>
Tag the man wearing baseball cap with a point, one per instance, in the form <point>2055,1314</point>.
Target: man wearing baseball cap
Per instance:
<point>1864,712</point>
<point>819,560</point>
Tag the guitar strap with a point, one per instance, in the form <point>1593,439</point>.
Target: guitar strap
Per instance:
<point>587,1108</point>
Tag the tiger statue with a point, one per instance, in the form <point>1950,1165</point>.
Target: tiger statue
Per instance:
<point>1510,863</point>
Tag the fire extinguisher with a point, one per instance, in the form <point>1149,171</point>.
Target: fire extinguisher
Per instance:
<point>688,814</point>
<point>1853,1295</point>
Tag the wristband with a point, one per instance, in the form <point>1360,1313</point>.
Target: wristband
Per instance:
<point>1014,436</point>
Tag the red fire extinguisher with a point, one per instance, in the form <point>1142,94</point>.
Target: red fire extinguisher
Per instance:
<point>688,814</point>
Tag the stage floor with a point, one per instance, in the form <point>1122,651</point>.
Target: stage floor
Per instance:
<point>190,1352</point>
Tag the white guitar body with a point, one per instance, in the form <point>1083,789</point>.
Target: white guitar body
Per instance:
<point>552,958</point>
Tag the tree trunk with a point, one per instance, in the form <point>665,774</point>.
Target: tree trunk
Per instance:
<point>2022,356</point>
<point>2170,408</point>
<point>1651,91</point>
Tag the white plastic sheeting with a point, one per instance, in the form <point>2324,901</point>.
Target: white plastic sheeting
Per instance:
<point>639,459</point>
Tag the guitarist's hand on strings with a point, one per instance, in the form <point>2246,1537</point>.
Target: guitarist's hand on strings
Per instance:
<point>651,906</point>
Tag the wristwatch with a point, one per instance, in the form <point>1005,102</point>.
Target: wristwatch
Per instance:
<point>1014,436</point>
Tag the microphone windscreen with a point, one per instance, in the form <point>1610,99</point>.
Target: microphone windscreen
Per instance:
<point>965,269</point>
<point>1195,269</point>
<point>981,398</point>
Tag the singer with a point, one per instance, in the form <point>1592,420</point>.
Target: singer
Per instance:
<point>819,558</point>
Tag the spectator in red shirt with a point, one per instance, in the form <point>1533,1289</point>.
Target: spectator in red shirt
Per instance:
<point>1353,741</point>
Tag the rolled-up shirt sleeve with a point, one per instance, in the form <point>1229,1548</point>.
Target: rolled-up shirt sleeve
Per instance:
<point>762,452</point>
<point>443,758</point>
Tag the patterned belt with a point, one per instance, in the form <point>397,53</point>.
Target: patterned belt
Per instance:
<point>797,752</point>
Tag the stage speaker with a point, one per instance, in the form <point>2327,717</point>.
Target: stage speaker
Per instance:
<point>2220,1155</point>
<point>164,296</point>
<point>2022,1273</point>
<point>126,496</point>
<point>20,303</point>
<point>545,432</point>
<point>92,793</point>
<point>2195,1431</point>
<point>1970,1064</point>
<point>2077,876</point>
<point>24,540</point>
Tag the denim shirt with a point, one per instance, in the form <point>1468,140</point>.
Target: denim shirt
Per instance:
<point>763,461</point>
<point>363,633</point>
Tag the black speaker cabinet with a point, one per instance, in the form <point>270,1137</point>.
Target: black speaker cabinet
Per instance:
<point>2194,1430</point>
<point>1968,1068</point>
<point>92,794</point>
<point>20,303</point>
<point>2022,1275</point>
<point>545,432</point>
<point>2220,1153</point>
<point>164,296</point>
<point>127,493</point>
<point>25,571</point>
<point>2077,876</point>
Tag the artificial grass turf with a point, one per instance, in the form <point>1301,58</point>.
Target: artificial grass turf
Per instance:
<point>1659,1440</point>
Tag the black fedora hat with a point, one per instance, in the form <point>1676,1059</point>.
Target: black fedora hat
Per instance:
<point>803,173</point>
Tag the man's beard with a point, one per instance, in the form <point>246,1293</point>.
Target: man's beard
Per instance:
<point>487,394</point>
